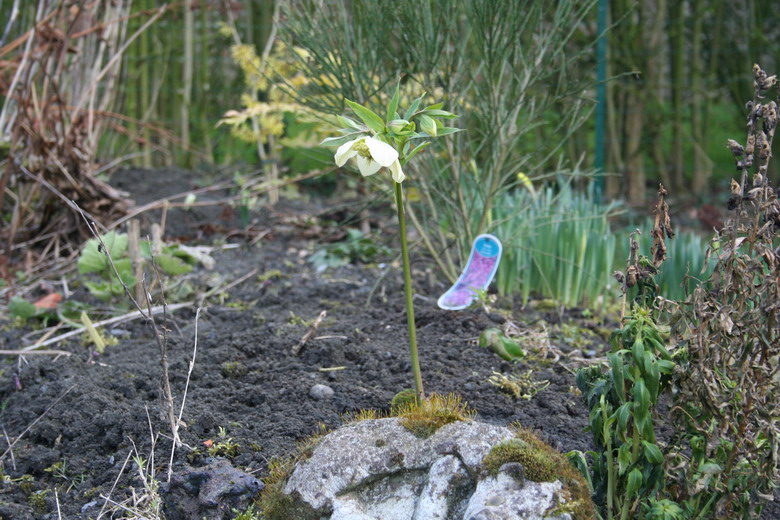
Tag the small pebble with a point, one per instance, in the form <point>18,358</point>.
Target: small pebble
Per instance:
<point>321,392</point>
<point>590,354</point>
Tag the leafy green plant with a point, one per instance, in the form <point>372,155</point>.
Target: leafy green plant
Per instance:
<point>627,465</point>
<point>355,248</point>
<point>557,243</point>
<point>390,143</point>
<point>172,260</point>
<point>725,464</point>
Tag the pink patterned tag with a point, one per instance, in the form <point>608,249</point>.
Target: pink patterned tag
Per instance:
<point>479,272</point>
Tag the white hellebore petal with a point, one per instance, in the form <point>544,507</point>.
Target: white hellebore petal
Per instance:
<point>346,152</point>
<point>372,154</point>
<point>381,152</point>
<point>398,173</point>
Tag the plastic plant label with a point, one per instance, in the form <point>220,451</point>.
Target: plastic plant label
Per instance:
<point>479,272</point>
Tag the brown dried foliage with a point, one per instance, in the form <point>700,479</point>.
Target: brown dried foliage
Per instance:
<point>58,80</point>
<point>728,386</point>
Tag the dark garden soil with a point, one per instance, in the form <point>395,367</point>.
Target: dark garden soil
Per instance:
<point>85,419</point>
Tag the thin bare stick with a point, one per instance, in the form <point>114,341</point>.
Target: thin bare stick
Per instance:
<point>116,481</point>
<point>229,286</point>
<point>116,319</point>
<point>186,387</point>
<point>32,424</point>
<point>57,501</point>
<point>309,333</point>
<point>135,513</point>
<point>8,441</point>
<point>34,352</point>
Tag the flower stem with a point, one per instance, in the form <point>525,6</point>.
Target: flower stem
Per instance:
<point>399,203</point>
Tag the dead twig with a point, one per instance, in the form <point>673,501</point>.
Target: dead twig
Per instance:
<point>34,352</point>
<point>110,321</point>
<point>184,395</point>
<point>309,333</point>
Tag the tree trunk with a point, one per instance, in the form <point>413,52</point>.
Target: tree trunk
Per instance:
<point>677,57</point>
<point>634,173</point>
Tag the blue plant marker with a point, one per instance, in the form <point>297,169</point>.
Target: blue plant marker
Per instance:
<point>479,272</point>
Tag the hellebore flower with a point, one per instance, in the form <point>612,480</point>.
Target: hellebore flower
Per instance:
<point>372,154</point>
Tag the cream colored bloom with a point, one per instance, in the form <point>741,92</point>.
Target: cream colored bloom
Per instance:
<point>371,154</point>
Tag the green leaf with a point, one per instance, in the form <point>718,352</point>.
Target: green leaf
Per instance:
<point>641,397</point>
<point>512,348</point>
<point>100,290</point>
<point>373,121</point>
<point>634,482</point>
<point>21,308</point>
<point>92,260</point>
<point>428,125</point>
<point>652,453</point>
<point>624,458</point>
<point>623,415</point>
<point>617,376</point>
<point>638,349</point>
<point>435,106</point>
<point>417,149</point>
<point>440,113</point>
<point>652,378</point>
<point>172,265</point>
<point>338,141</point>
<point>413,108</point>
<point>664,366</point>
<point>392,108</point>
<point>447,130</point>
<point>351,123</point>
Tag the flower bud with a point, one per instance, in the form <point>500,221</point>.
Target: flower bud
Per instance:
<point>401,126</point>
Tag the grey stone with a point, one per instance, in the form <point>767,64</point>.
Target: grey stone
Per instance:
<point>378,470</point>
<point>210,492</point>
<point>321,392</point>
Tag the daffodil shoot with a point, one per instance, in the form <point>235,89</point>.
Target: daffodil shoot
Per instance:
<point>379,144</point>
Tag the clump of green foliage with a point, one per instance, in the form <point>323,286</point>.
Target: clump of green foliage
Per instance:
<point>355,248</point>
<point>627,468</point>
<point>725,462</point>
<point>557,243</point>
<point>94,260</point>
<point>224,446</point>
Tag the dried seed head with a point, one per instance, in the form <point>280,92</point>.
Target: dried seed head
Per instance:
<point>758,180</point>
<point>751,145</point>
<point>763,146</point>
<point>632,274</point>
<point>737,150</point>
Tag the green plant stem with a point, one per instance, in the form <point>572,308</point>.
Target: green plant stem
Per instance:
<point>399,203</point>
<point>610,463</point>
